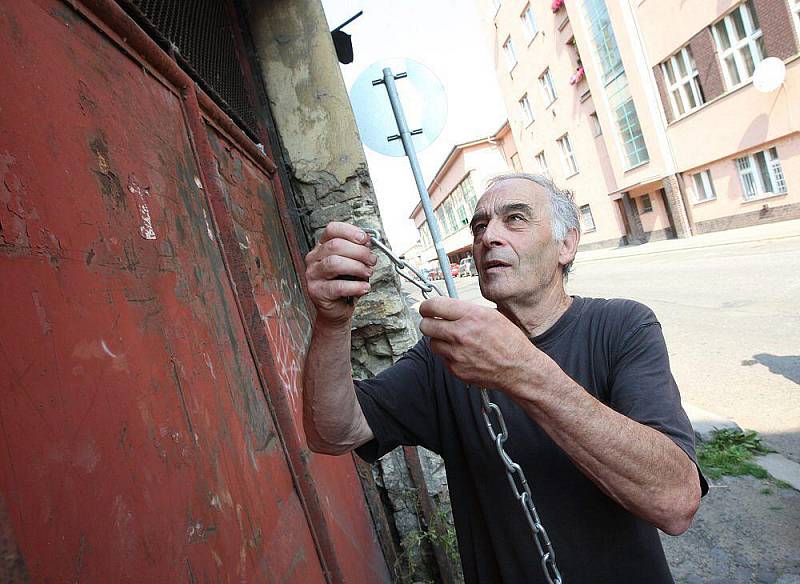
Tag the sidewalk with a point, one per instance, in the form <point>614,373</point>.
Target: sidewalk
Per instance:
<point>768,231</point>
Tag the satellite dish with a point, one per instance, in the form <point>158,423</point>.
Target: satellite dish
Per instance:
<point>769,75</point>
<point>421,94</point>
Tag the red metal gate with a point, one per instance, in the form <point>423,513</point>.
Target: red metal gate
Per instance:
<point>153,327</point>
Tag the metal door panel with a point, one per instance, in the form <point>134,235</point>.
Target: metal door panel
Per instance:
<point>136,442</point>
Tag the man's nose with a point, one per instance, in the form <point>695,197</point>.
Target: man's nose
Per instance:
<point>492,235</point>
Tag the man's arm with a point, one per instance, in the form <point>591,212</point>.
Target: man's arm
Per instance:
<point>332,417</point>
<point>637,466</point>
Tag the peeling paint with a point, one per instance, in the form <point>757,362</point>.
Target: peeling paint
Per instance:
<point>142,193</point>
<point>208,225</point>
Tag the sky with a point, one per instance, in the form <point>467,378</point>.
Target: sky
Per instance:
<point>446,36</point>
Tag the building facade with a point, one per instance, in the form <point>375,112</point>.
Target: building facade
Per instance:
<point>646,110</point>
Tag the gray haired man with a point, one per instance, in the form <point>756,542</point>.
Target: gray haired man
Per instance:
<point>592,409</point>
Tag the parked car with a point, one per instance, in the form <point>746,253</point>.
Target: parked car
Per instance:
<point>467,267</point>
<point>435,274</point>
<point>454,270</point>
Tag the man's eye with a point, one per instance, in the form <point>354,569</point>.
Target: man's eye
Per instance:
<point>478,228</point>
<point>516,217</point>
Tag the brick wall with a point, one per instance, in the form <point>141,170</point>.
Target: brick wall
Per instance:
<point>776,24</point>
<point>661,83</point>
<point>766,214</point>
<point>708,68</point>
<point>677,210</point>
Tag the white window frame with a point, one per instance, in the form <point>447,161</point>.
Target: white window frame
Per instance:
<point>751,174</point>
<point>528,23</point>
<point>584,227</point>
<point>549,94</point>
<point>527,111</point>
<point>684,86</point>
<point>541,161</point>
<point>703,187</point>
<point>736,50</point>
<point>568,159</point>
<point>511,55</point>
<point>794,5</point>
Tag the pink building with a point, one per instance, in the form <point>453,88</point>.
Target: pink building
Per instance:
<point>455,189</point>
<point>646,110</point>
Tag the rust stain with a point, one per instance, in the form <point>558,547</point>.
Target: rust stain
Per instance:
<point>107,179</point>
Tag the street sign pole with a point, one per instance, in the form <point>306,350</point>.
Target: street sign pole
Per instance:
<point>405,136</point>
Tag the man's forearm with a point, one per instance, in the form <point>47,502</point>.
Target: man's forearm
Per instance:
<point>637,466</point>
<point>332,416</point>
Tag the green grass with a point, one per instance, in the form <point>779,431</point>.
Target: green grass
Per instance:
<point>730,452</point>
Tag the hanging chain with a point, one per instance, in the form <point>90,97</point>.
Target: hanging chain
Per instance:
<point>519,484</point>
<point>514,472</point>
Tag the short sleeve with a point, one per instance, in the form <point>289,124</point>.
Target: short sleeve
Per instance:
<point>642,387</point>
<point>400,405</point>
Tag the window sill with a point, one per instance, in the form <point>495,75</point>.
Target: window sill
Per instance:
<point>645,212</point>
<point>547,107</point>
<point>635,166</point>
<point>764,197</point>
<point>696,203</point>
<point>511,70</point>
<point>529,124</point>
<point>569,176</point>
<point>533,38</point>
<point>589,231</point>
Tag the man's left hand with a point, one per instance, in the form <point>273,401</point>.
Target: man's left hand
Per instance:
<point>479,345</point>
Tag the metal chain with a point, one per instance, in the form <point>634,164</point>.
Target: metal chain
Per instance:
<point>514,472</point>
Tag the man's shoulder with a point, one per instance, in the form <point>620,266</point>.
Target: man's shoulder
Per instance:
<point>623,310</point>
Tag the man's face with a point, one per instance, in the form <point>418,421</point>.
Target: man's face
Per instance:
<point>513,244</point>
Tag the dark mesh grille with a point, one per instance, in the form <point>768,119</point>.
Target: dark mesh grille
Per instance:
<point>198,33</point>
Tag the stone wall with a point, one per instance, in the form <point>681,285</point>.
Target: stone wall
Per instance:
<point>328,181</point>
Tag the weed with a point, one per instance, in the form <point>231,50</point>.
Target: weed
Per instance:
<point>730,452</point>
<point>766,491</point>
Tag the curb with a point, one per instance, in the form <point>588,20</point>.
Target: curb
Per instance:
<point>704,423</point>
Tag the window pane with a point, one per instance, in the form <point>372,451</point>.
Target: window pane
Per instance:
<point>699,190</point>
<point>753,14</point>
<point>689,96</point>
<point>763,171</point>
<point>749,60</point>
<point>738,25</point>
<point>722,34</point>
<point>733,72</point>
<point>678,102</point>
<point>681,65</point>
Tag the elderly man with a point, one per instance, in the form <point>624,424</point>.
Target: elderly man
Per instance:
<point>593,413</point>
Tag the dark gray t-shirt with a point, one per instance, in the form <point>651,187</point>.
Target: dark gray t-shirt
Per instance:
<point>612,348</point>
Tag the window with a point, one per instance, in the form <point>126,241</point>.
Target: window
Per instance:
<point>527,112</point>
<point>425,233</point>
<point>529,23</point>
<point>761,174</point>
<point>615,81</point>
<point>469,193</point>
<point>546,85</point>
<point>440,221</point>
<point>645,205</point>
<point>496,5</point>
<point>515,163</point>
<point>511,56</point>
<point>587,221</point>
<point>683,84</point>
<point>740,44</point>
<point>541,162</point>
<point>596,129</point>
<point>567,156</point>
<point>703,187</point>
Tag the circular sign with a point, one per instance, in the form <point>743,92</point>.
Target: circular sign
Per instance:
<point>422,98</point>
<point>769,75</point>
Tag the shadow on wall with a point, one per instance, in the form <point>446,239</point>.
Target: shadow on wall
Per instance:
<point>786,365</point>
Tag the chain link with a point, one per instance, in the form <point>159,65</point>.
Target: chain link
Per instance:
<point>514,472</point>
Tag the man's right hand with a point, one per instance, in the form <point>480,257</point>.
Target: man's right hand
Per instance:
<point>342,250</point>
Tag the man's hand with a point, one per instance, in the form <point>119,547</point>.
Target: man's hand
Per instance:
<point>342,251</point>
<point>479,345</point>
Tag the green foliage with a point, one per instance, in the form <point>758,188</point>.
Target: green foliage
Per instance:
<point>730,452</point>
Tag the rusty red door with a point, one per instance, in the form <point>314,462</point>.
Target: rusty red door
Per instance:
<point>153,328</point>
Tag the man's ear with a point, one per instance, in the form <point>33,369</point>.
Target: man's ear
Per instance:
<point>569,247</point>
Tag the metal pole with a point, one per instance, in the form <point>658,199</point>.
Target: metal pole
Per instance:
<point>411,153</point>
